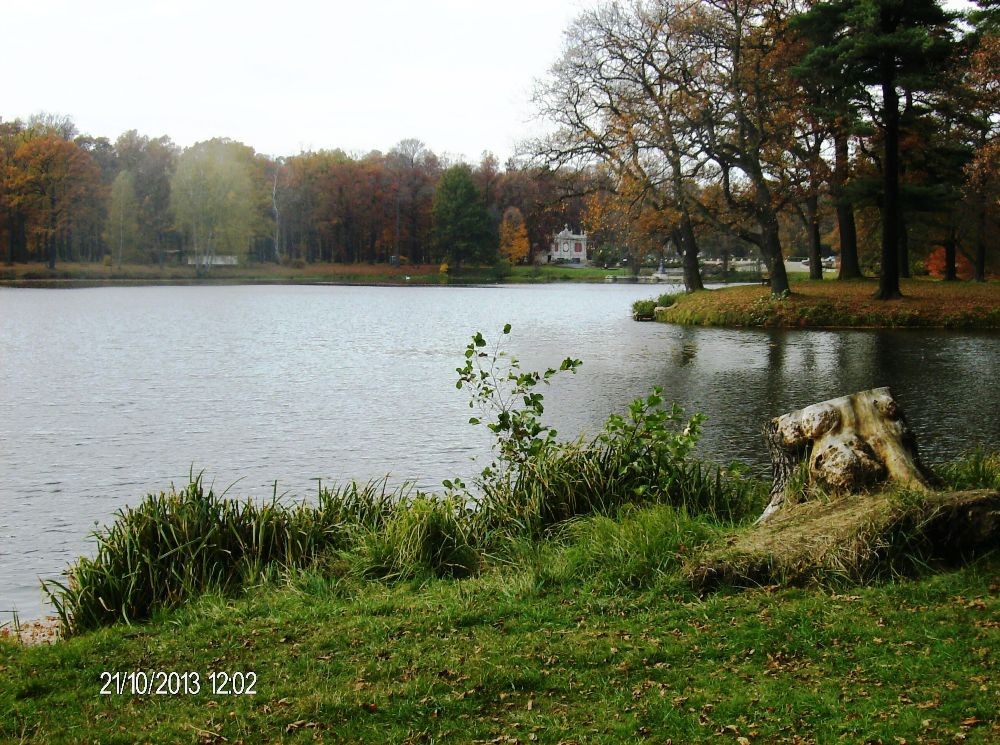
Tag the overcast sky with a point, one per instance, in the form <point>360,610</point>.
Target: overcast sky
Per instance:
<point>286,75</point>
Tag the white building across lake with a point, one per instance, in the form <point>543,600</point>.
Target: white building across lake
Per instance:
<point>568,248</point>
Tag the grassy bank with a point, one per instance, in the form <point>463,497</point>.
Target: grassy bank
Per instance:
<point>90,274</point>
<point>531,654</point>
<point>926,303</point>
<point>589,633</point>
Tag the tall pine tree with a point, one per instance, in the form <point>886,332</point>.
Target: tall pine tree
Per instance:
<point>880,47</point>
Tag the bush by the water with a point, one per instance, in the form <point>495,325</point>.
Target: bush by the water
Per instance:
<point>643,309</point>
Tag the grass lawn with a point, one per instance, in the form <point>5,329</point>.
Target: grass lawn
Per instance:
<point>70,274</point>
<point>926,303</point>
<point>531,654</point>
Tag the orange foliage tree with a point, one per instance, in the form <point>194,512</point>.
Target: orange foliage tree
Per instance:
<point>937,264</point>
<point>57,186</point>
<point>514,245</point>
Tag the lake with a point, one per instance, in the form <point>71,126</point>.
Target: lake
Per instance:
<point>107,394</point>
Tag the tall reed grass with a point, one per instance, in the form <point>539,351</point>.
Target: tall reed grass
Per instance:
<point>176,545</point>
<point>979,468</point>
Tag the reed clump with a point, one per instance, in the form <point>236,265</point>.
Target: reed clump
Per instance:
<point>176,545</point>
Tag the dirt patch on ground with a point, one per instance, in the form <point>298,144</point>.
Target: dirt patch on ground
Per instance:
<point>38,631</point>
<point>855,537</point>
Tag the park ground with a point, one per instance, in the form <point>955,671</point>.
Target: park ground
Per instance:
<point>534,653</point>
<point>833,304</point>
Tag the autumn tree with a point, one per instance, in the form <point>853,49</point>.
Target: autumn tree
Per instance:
<point>57,186</point>
<point>122,227</point>
<point>742,113</point>
<point>462,226</point>
<point>151,161</point>
<point>415,170</point>
<point>12,219</point>
<point>514,244</point>
<point>615,100</point>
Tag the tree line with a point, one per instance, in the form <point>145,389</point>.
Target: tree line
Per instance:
<point>72,197</point>
<point>865,129</point>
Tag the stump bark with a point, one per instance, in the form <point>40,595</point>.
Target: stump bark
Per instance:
<point>853,443</point>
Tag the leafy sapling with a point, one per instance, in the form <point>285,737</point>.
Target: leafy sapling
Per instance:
<point>508,403</point>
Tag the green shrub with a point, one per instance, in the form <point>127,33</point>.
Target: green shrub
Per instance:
<point>643,309</point>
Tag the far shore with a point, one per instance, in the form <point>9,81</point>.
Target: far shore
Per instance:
<point>83,274</point>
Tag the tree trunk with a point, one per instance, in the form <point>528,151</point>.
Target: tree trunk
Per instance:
<point>771,248</point>
<point>850,267</point>
<point>688,245</point>
<point>815,249</point>
<point>888,286</point>
<point>852,443</point>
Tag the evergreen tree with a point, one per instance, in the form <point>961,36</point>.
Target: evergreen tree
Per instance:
<point>462,226</point>
<point>879,47</point>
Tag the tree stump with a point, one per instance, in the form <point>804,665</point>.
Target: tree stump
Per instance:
<point>853,443</point>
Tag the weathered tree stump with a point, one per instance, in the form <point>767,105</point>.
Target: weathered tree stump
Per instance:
<point>853,443</point>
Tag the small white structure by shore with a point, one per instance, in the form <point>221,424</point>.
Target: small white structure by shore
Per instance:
<point>220,260</point>
<point>568,248</point>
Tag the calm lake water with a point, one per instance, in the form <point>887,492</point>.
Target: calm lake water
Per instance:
<point>108,394</point>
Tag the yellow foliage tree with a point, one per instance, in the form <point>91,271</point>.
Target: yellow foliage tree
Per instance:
<point>514,245</point>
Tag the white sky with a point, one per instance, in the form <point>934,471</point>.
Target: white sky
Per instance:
<point>287,75</point>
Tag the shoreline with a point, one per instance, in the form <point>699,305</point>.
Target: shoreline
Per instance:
<point>34,631</point>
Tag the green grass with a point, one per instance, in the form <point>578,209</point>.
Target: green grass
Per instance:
<point>589,633</point>
<point>96,274</point>
<point>537,653</point>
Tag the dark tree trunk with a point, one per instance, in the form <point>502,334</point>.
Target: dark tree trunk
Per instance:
<point>980,267</point>
<point>815,249</point>
<point>888,288</point>
<point>771,248</point>
<point>688,245</point>
<point>850,268</point>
